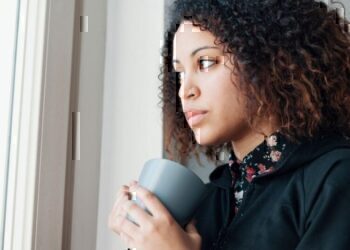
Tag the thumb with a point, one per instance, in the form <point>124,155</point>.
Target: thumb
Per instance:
<point>190,227</point>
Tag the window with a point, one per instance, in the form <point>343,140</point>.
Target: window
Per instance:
<point>8,33</point>
<point>22,29</point>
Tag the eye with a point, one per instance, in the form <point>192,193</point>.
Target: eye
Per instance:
<point>205,63</point>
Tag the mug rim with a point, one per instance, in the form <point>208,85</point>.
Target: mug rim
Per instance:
<point>180,166</point>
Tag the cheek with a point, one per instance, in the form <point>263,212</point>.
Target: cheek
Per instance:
<point>227,125</point>
<point>233,114</point>
<point>229,108</point>
<point>222,126</point>
<point>226,119</point>
<point>226,98</point>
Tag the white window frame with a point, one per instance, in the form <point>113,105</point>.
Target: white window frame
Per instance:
<point>8,29</point>
<point>40,126</point>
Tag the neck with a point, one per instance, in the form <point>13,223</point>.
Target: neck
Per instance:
<point>249,141</point>
<point>245,145</point>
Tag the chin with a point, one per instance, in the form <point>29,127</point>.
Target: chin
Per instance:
<point>204,138</point>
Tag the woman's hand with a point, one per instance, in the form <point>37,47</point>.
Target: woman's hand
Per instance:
<point>156,231</point>
<point>123,195</point>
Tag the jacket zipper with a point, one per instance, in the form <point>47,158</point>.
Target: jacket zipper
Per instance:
<point>219,243</point>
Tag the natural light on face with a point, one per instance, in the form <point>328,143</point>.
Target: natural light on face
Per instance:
<point>211,54</point>
<point>204,62</point>
<point>206,85</point>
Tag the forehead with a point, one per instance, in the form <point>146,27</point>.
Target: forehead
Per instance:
<point>188,35</point>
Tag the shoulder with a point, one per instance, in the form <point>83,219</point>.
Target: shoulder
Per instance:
<point>338,175</point>
<point>327,204</point>
<point>331,168</point>
<point>327,177</point>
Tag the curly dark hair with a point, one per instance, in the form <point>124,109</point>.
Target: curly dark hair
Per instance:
<point>293,62</point>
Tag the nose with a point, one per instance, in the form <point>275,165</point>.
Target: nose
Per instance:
<point>188,88</point>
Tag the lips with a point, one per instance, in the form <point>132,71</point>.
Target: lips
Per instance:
<point>192,113</point>
<point>195,116</point>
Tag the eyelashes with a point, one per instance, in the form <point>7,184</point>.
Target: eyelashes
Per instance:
<point>207,61</point>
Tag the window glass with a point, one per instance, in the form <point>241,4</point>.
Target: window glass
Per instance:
<point>8,34</point>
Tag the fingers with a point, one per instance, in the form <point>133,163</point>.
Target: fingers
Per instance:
<point>117,211</point>
<point>140,216</point>
<point>124,191</point>
<point>133,183</point>
<point>123,195</point>
<point>128,228</point>
<point>191,228</point>
<point>151,202</point>
<point>127,240</point>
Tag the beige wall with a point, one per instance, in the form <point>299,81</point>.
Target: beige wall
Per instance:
<point>87,99</point>
<point>132,122</point>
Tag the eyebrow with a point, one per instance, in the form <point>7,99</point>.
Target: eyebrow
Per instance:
<point>196,51</point>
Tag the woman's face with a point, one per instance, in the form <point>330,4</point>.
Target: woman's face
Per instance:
<point>206,85</point>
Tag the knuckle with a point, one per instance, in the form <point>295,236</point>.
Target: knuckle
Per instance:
<point>151,228</point>
<point>121,193</point>
<point>130,206</point>
<point>122,190</point>
<point>168,220</point>
<point>155,229</point>
<point>125,197</point>
<point>198,238</point>
<point>148,195</point>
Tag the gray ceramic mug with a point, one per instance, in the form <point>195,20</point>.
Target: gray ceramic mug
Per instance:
<point>178,188</point>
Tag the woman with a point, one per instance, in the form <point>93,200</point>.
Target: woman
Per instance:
<point>268,81</point>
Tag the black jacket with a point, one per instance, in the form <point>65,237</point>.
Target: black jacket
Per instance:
<point>304,204</point>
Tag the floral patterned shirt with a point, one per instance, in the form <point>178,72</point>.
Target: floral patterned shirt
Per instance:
<point>261,160</point>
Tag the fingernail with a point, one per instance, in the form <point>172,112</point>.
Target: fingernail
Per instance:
<point>133,196</point>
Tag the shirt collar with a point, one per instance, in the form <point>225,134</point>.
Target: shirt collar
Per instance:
<point>263,159</point>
